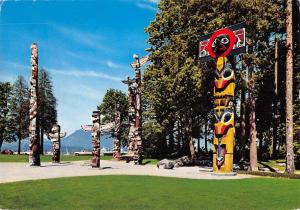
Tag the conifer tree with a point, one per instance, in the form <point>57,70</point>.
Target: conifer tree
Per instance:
<point>7,123</point>
<point>47,112</point>
<point>20,109</point>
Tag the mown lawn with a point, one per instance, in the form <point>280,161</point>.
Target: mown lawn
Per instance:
<point>145,192</point>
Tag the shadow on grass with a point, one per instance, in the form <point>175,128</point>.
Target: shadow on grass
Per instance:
<point>147,162</point>
<point>267,166</point>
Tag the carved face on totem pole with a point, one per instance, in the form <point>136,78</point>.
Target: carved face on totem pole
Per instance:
<point>224,135</point>
<point>220,44</point>
<point>55,129</point>
<point>224,81</point>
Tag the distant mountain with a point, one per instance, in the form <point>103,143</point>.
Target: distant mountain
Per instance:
<point>24,145</point>
<point>80,140</point>
<point>77,141</point>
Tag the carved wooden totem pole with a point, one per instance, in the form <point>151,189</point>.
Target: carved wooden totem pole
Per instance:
<point>95,129</point>
<point>117,138</point>
<point>131,113</point>
<point>34,144</point>
<point>138,147</point>
<point>55,137</point>
<point>221,46</point>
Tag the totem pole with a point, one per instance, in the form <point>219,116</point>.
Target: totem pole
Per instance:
<point>95,129</point>
<point>55,137</point>
<point>117,139</point>
<point>131,113</point>
<point>138,147</point>
<point>34,143</point>
<point>221,46</point>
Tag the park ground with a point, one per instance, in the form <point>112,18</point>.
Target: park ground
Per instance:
<point>146,192</point>
<point>74,185</point>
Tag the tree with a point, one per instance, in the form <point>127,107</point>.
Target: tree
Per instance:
<point>20,109</point>
<point>47,112</point>
<point>175,81</point>
<point>290,165</point>
<point>7,124</point>
<point>107,109</point>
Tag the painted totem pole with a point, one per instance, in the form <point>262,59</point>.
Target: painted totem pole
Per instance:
<point>34,143</point>
<point>131,113</point>
<point>221,46</point>
<point>95,129</point>
<point>55,137</point>
<point>138,147</point>
<point>117,139</point>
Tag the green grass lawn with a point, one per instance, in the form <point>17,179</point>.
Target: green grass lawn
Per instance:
<point>145,192</point>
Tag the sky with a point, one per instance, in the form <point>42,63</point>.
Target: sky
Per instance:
<point>85,45</point>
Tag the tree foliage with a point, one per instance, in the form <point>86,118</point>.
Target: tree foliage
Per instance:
<point>47,112</point>
<point>20,109</point>
<point>178,89</point>
<point>7,122</point>
<point>107,108</point>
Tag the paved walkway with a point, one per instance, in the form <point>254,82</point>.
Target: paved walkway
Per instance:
<point>11,172</point>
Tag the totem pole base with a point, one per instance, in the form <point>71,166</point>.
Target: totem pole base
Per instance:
<point>224,174</point>
<point>96,168</point>
<point>31,165</point>
<point>56,163</point>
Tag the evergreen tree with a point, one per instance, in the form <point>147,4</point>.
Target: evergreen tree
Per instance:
<point>20,109</point>
<point>107,109</point>
<point>47,112</point>
<point>7,123</point>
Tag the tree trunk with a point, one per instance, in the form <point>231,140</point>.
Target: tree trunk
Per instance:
<point>178,136</point>
<point>171,138</point>
<point>253,145</point>
<point>198,146</point>
<point>243,123</point>
<point>290,165</point>
<point>275,140</point>
<point>19,145</point>
<point>1,142</point>
<point>42,141</point>
<point>188,130</point>
<point>206,133</point>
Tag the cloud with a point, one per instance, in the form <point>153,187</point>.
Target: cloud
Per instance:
<point>14,66</point>
<point>146,6</point>
<point>90,58</point>
<point>1,4</point>
<point>153,1</point>
<point>85,91</point>
<point>113,65</point>
<point>86,38</point>
<point>80,73</point>
<point>7,78</point>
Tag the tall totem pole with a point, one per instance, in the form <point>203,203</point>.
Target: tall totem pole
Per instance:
<point>221,46</point>
<point>131,113</point>
<point>55,137</point>
<point>95,130</point>
<point>34,143</point>
<point>138,147</point>
<point>117,139</point>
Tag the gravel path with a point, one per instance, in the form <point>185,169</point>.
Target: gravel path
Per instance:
<point>11,172</point>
